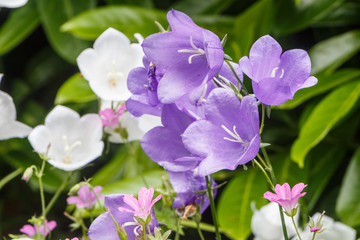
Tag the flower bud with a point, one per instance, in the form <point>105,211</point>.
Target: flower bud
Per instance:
<point>121,233</point>
<point>28,173</point>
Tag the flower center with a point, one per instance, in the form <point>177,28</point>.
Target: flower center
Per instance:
<point>114,76</point>
<point>234,134</point>
<point>196,51</point>
<point>275,72</point>
<point>68,148</point>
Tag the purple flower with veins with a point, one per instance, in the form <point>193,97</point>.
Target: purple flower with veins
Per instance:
<point>86,197</point>
<point>189,56</point>
<point>143,83</point>
<point>186,184</point>
<point>164,145</point>
<point>229,136</point>
<point>276,76</point>
<point>103,227</point>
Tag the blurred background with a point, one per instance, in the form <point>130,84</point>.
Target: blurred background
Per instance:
<point>314,138</point>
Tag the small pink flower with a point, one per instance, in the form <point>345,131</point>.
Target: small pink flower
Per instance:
<point>286,197</point>
<point>72,238</point>
<point>87,198</point>
<point>109,118</point>
<point>32,230</point>
<point>315,229</point>
<point>142,207</point>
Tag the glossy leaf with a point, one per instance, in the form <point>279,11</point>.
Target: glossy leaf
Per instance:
<point>56,12</point>
<point>346,14</point>
<point>324,117</point>
<point>142,3</point>
<point>75,90</point>
<point>14,31</point>
<point>348,201</point>
<point>327,56</point>
<point>290,18</point>
<point>127,19</point>
<point>234,204</point>
<point>202,6</point>
<point>150,179</point>
<point>325,83</point>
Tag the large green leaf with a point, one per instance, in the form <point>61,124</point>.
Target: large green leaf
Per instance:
<point>290,18</point>
<point>348,201</point>
<point>202,6</point>
<point>347,14</point>
<point>20,24</point>
<point>75,90</point>
<point>234,204</point>
<point>252,24</point>
<point>56,12</point>
<point>331,53</point>
<point>325,115</point>
<point>325,83</point>
<point>150,179</point>
<point>127,19</point>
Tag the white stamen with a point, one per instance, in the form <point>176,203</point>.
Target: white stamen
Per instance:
<point>114,75</point>
<point>274,72</point>
<point>201,99</point>
<point>197,51</point>
<point>68,148</point>
<point>234,134</point>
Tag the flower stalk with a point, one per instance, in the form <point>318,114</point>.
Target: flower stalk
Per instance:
<point>210,193</point>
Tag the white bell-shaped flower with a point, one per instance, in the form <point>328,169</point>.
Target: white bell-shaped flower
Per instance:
<point>12,3</point>
<point>108,64</point>
<point>9,127</point>
<point>70,142</point>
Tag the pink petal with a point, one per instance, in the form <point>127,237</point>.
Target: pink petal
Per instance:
<point>284,191</point>
<point>74,199</point>
<point>297,189</point>
<point>132,202</point>
<point>271,196</point>
<point>145,197</point>
<point>84,193</point>
<point>122,209</point>
<point>28,230</point>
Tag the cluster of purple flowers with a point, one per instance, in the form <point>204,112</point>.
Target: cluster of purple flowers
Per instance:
<point>206,126</point>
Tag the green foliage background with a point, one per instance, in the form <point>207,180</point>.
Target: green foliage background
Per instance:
<point>314,138</point>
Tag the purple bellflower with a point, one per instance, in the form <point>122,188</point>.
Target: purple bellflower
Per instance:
<point>276,76</point>
<point>143,83</point>
<point>164,145</point>
<point>189,56</point>
<point>103,227</point>
<point>229,136</point>
<point>86,197</point>
<point>186,184</point>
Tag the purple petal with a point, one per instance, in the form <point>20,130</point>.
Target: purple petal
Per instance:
<point>137,80</point>
<point>272,91</point>
<point>214,53</point>
<point>180,22</point>
<point>175,119</point>
<point>138,105</point>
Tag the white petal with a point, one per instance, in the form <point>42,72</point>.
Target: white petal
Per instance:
<point>39,139</point>
<point>12,3</point>
<point>147,122</point>
<point>14,130</point>
<point>7,106</point>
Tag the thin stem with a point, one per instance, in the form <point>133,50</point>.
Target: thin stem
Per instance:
<point>313,238</point>
<point>10,177</point>
<point>297,232</point>
<point>212,205</point>
<point>265,174</point>
<point>199,230</point>
<point>283,223</point>
<point>40,175</point>
<point>243,88</point>
<point>263,162</point>
<point>177,235</point>
<point>58,192</point>
<point>262,118</point>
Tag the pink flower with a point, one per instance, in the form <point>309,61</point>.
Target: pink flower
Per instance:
<point>32,230</point>
<point>109,118</point>
<point>315,229</point>
<point>286,197</point>
<point>142,207</point>
<point>72,238</point>
<point>87,198</point>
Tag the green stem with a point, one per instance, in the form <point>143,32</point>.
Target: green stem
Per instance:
<point>243,87</point>
<point>283,223</point>
<point>40,175</point>
<point>58,192</point>
<point>10,177</point>
<point>297,232</point>
<point>203,226</point>
<point>212,205</point>
<point>262,118</point>
<point>199,230</point>
<point>177,235</point>
<point>313,238</point>
<point>265,174</point>
<point>263,162</point>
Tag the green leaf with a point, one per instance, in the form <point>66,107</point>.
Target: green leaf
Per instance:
<point>75,90</point>
<point>327,56</point>
<point>348,201</point>
<point>290,18</point>
<point>346,14</point>
<point>324,117</point>
<point>127,19</point>
<point>150,179</point>
<point>21,23</point>
<point>142,3</point>
<point>234,204</point>
<point>325,83</point>
<point>202,6</point>
<point>56,12</point>
<point>252,24</point>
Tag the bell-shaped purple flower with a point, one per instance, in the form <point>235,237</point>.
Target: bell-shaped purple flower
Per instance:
<point>186,185</point>
<point>164,145</point>
<point>103,227</point>
<point>143,84</point>
<point>229,136</point>
<point>188,55</point>
<point>275,76</point>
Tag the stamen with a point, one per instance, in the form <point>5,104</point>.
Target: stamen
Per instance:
<point>234,134</point>
<point>197,51</point>
<point>273,73</point>
<point>67,148</point>
<point>201,99</point>
<point>114,75</point>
